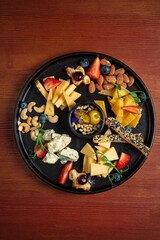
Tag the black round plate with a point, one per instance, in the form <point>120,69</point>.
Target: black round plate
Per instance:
<point>49,173</point>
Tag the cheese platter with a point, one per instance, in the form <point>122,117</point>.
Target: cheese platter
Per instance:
<point>113,121</point>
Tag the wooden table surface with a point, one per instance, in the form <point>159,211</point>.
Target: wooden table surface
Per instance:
<point>33,32</point>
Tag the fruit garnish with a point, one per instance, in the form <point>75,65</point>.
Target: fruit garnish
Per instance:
<point>82,179</point>
<point>23,105</point>
<point>123,161</point>
<point>40,152</point>
<point>94,70</point>
<point>51,83</point>
<point>133,109</point>
<point>77,76</point>
<point>84,62</point>
<point>43,118</point>
<point>116,177</point>
<point>65,172</point>
<point>95,117</point>
<point>105,69</point>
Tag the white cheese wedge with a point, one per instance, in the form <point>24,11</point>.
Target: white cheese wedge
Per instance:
<point>97,169</point>
<point>58,143</point>
<point>101,104</point>
<point>88,151</point>
<point>105,144</point>
<point>49,110</point>
<point>70,153</point>
<point>50,158</point>
<point>69,101</point>
<point>58,92</point>
<point>68,91</point>
<point>41,89</point>
<point>111,154</point>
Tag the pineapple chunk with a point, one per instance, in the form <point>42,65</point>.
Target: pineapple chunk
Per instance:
<point>128,117</point>
<point>135,121</point>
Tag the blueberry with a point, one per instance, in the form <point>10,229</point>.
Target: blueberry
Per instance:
<point>43,118</point>
<point>84,62</point>
<point>129,128</point>
<point>142,96</point>
<point>116,177</point>
<point>23,105</point>
<point>105,69</point>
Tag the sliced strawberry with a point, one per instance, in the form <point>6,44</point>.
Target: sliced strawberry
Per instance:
<point>40,153</point>
<point>65,172</point>
<point>123,161</point>
<point>94,70</point>
<point>133,109</point>
<point>51,83</point>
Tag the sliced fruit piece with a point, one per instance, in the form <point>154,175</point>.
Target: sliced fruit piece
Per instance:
<point>111,154</point>
<point>65,172</point>
<point>39,152</point>
<point>133,109</point>
<point>94,70</point>
<point>51,83</point>
<point>128,117</point>
<point>134,123</point>
<point>101,104</point>
<point>123,161</point>
<point>88,151</point>
<point>49,110</point>
<point>69,101</point>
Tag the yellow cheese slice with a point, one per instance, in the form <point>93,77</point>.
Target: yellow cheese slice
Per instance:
<point>97,169</point>
<point>85,164</point>
<point>108,132</point>
<point>100,148</point>
<point>90,161</point>
<point>58,92</point>
<point>48,77</point>
<point>105,144</point>
<point>49,110</point>
<point>101,104</point>
<point>107,92</point>
<point>74,95</point>
<point>88,151</point>
<point>111,154</point>
<point>41,89</point>
<point>69,101</point>
<point>68,91</point>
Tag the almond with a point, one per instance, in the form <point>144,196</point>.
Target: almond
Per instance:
<point>100,80</point>
<point>119,78</point>
<point>131,81</point>
<point>112,70</point>
<point>110,79</point>
<point>105,62</point>
<point>124,85</point>
<point>92,87</point>
<point>119,70</point>
<point>125,78</point>
<point>99,87</point>
<point>108,86</point>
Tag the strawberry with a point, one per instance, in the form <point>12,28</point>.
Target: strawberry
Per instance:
<point>123,161</point>
<point>94,70</point>
<point>51,83</point>
<point>133,109</point>
<point>65,172</point>
<point>40,153</point>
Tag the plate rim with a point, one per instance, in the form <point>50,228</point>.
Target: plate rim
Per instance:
<point>21,96</point>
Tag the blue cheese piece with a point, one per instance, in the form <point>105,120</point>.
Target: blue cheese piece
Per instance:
<point>70,154</point>
<point>50,158</point>
<point>58,143</point>
<point>47,136</point>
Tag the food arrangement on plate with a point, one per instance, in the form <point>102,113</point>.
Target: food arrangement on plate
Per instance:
<point>103,125</point>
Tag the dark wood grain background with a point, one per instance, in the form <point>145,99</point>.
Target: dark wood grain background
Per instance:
<point>33,32</point>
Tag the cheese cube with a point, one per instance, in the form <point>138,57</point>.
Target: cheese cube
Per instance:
<point>88,151</point>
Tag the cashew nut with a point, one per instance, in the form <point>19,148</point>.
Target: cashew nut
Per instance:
<point>25,126</point>
<point>34,134</point>
<point>40,109</point>
<point>53,119</point>
<point>35,121</point>
<point>30,105</point>
<point>23,114</point>
<point>29,121</point>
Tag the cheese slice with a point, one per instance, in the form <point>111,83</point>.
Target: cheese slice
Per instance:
<point>90,161</point>
<point>69,101</point>
<point>101,104</point>
<point>108,132</point>
<point>68,91</point>
<point>49,110</point>
<point>48,77</point>
<point>97,169</point>
<point>88,151</point>
<point>100,148</point>
<point>85,164</point>
<point>105,144</point>
<point>74,95</point>
<point>58,92</point>
<point>41,89</point>
<point>111,154</point>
